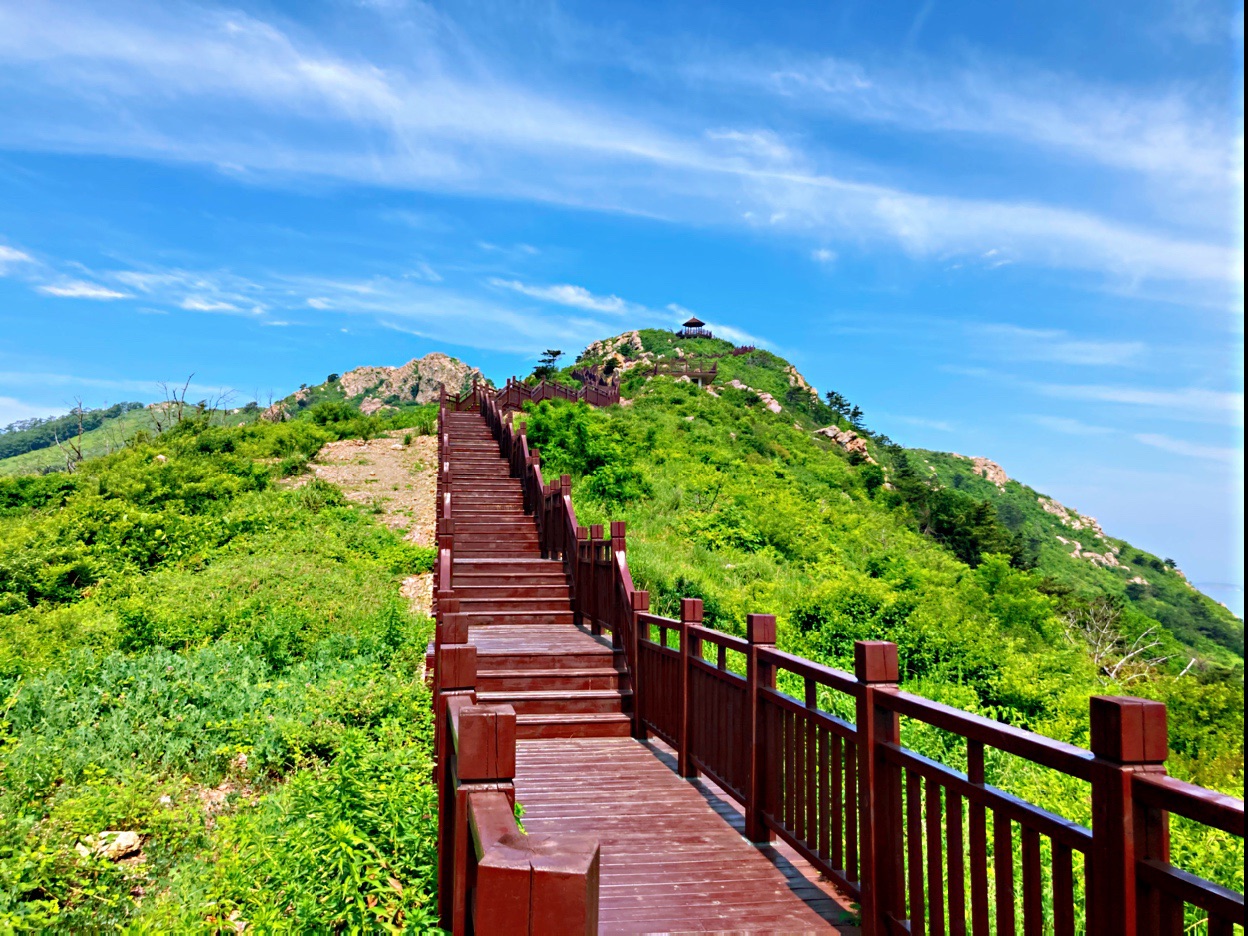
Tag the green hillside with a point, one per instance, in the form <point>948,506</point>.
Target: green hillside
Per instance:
<point>853,538</point>
<point>221,665</point>
<point>34,449</point>
<point>194,650</point>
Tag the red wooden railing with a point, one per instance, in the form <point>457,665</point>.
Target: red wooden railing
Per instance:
<point>492,878</point>
<point>922,846</point>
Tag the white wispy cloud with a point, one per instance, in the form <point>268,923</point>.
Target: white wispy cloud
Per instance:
<point>1159,135</point>
<point>1195,401</point>
<point>11,257</point>
<point>823,255</point>
<point>204,304</point>
<point>81,289</point>
<point>576,297</point>
<point>292,106</point>
<point>1190,449</point>
<point>1050,344</point>
<point>1069,426</point>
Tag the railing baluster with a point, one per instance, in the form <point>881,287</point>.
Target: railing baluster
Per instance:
<point>1003,865</point>
<point>914,851</point>
<point>935,858</point>
<point>1033,898</point>
<point>978,843</point>
<point>957,881</point>
<point>1063,891</point>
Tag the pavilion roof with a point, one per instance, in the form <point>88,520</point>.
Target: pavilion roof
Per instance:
<point>694,322</point>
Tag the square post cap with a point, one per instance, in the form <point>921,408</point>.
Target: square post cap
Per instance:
<point>1127,730</point>
<point>875,661</point>
<point>691,610</point>
<point>486,746</point>
<point>760,628</point>
<point>640,601</point>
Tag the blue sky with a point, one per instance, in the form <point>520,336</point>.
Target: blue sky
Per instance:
<point>1012,230</point>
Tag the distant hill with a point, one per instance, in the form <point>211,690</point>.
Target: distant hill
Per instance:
<point>375,389</point>
<point>32,435</point>
<point>31,445</point>
<point>104,430</point>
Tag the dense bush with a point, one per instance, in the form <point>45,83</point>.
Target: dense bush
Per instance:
<point>222,665</point>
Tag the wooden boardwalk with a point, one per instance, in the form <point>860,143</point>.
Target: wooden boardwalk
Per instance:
<point>624,834</point>
<point>673,856</point>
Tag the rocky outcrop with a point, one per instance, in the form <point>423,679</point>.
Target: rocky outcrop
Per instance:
<point>1108,559</point>
<point>797,380</point>
<point>768,400</point>
<point>371,404</point>
<point>1071,518</point>
<point>611,351</point>
<point>418,381</point>
<point>281,410</point>
<point>987,469</point>
<point>609,346</point>
<point>847,439</point>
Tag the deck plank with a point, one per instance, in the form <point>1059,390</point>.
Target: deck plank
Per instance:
<point>672,855</point>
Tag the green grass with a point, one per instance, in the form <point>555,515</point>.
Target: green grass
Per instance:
<point>177,627</point>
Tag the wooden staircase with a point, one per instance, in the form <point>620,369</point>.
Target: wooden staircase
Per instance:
<point>562,681</point>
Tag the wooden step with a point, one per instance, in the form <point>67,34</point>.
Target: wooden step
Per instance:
<point>513,618</point>
<point>568,702</point>
<point>573,726</point>
<point>466,590</point>
<point>506,566</point>
<point>524,580</point>
<point>468,602</point>
<point>602,659</point>
<point>534,680</point>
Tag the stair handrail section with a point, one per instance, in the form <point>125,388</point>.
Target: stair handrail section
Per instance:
<point>492,878</point>
<point>912,840</point>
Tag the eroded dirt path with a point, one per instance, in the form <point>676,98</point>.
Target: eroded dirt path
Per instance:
<point>398,482</point>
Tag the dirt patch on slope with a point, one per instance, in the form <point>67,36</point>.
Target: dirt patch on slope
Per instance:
<point>399,483</point>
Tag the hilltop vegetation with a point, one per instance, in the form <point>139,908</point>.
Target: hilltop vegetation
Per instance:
<point>751,510</point>
<point>220,664</point>
<point>45,444</point>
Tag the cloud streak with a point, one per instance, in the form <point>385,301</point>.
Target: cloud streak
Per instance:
<point>81,289</point>
<point>286,106</point>
<point>576,297</point>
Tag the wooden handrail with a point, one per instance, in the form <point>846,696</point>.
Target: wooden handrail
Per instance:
<point>884,823</point>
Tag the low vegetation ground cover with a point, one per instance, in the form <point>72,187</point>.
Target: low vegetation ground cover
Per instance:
<point>221,664</point>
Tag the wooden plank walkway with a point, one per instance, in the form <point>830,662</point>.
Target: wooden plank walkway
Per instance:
<point>673,859</point>
<point>673,856</point>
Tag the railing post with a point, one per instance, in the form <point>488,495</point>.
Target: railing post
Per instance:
<point>581,592</point>
<point>882,896</point>
<point>1128,737</point>
<point>595,540</point>
<point>456,675</point>
<point>485,761</point>
<point>690,647</point>
<point>760,631</point>
<point>639,604</point>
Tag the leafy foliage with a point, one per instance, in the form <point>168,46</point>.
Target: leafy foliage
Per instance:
<point>220,664</point>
